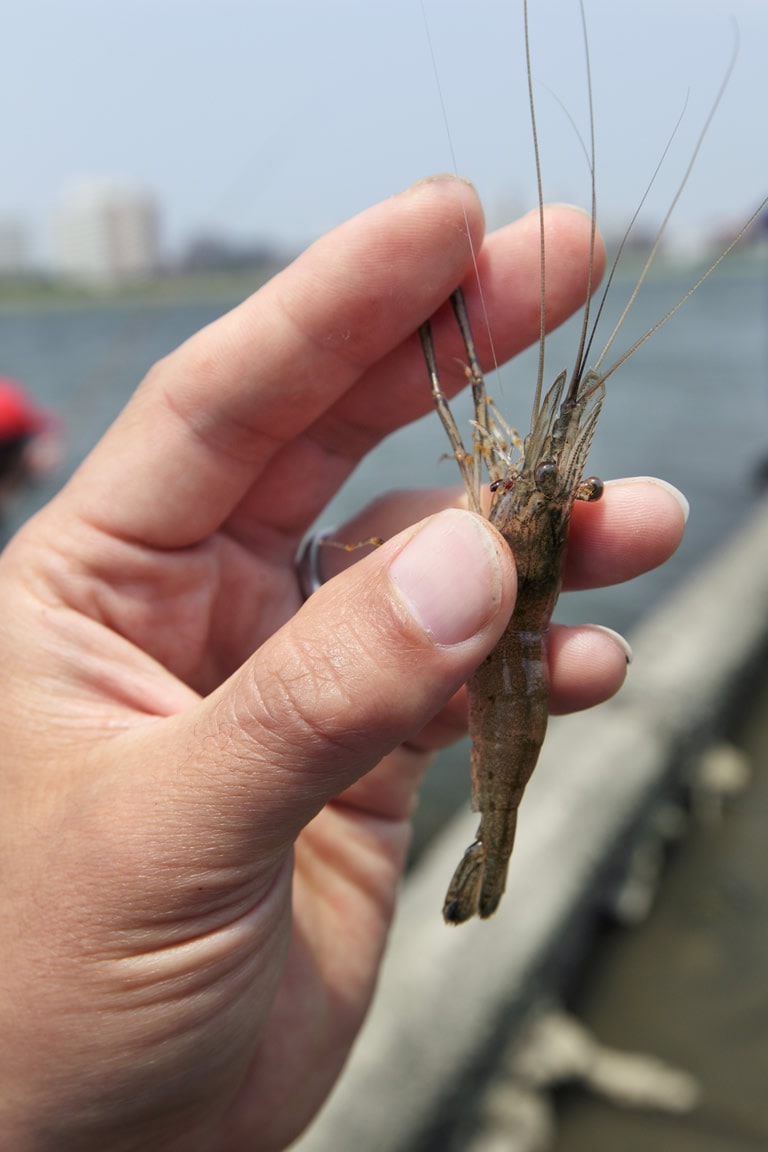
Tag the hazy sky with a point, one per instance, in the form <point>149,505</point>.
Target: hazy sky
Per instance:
<point>282,117</point>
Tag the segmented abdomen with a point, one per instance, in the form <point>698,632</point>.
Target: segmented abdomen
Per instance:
<point>508,709</point>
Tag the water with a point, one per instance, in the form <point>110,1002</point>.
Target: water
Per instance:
<point>691,406</point>
<point>85,362</point>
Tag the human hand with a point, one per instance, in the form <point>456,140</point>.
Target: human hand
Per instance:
<point>207,784</point>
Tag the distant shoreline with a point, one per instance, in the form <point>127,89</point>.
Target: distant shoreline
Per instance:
<point>168,290</point>
<point>33,295</point>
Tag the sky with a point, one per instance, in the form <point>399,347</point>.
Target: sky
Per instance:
<point>277,119</point>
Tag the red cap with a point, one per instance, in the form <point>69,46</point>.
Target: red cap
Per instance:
<point>19,416</point>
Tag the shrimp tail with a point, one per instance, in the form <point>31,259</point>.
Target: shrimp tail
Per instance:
<point>480,879</point>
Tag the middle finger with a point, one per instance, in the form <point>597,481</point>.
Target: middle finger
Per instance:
<point>635,527</point>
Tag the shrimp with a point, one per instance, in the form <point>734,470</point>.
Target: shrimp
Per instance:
<point>508,694</point>
<point>534,485</point>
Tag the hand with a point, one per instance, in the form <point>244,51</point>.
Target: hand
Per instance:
<point>207,784</point>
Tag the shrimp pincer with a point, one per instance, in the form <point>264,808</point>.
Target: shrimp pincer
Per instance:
<point>531,504</point>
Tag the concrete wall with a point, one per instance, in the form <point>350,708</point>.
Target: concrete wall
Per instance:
<point>444,991</point>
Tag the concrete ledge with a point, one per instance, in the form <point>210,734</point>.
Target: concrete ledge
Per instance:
<point>443,991</point>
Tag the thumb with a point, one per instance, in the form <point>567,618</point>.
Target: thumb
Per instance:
<point>361,668</point>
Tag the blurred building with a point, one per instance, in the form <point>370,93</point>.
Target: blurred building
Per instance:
<point>107,234</point>
<point>208,252</point>
<point>14,248</point>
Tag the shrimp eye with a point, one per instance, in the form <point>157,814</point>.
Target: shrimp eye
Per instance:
<point>590,489</point>
<point>546,478</point>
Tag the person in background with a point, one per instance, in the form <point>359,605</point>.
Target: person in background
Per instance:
<point>28,439</point>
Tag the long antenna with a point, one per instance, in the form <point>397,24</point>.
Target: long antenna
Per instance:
<point>454,165</point>
<point>542,245</point>
<point>620,250</point>
<point>659,235</point>
<point>573,387</point>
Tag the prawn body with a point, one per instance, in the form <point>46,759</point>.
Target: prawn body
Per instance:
<point>508,693</point>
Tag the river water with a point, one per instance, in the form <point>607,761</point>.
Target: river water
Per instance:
<point>690,406</point>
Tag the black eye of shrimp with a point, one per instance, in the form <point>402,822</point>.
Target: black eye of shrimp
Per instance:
<point>546,478</point>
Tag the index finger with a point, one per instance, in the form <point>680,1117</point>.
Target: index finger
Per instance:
<point>276,388</point>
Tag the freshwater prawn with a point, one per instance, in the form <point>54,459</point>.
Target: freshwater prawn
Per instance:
<point>534,483</point>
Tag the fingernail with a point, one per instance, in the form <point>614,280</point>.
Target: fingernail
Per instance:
<point>449,577</point>
<point>685,507</point>
<point>618,640</point>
